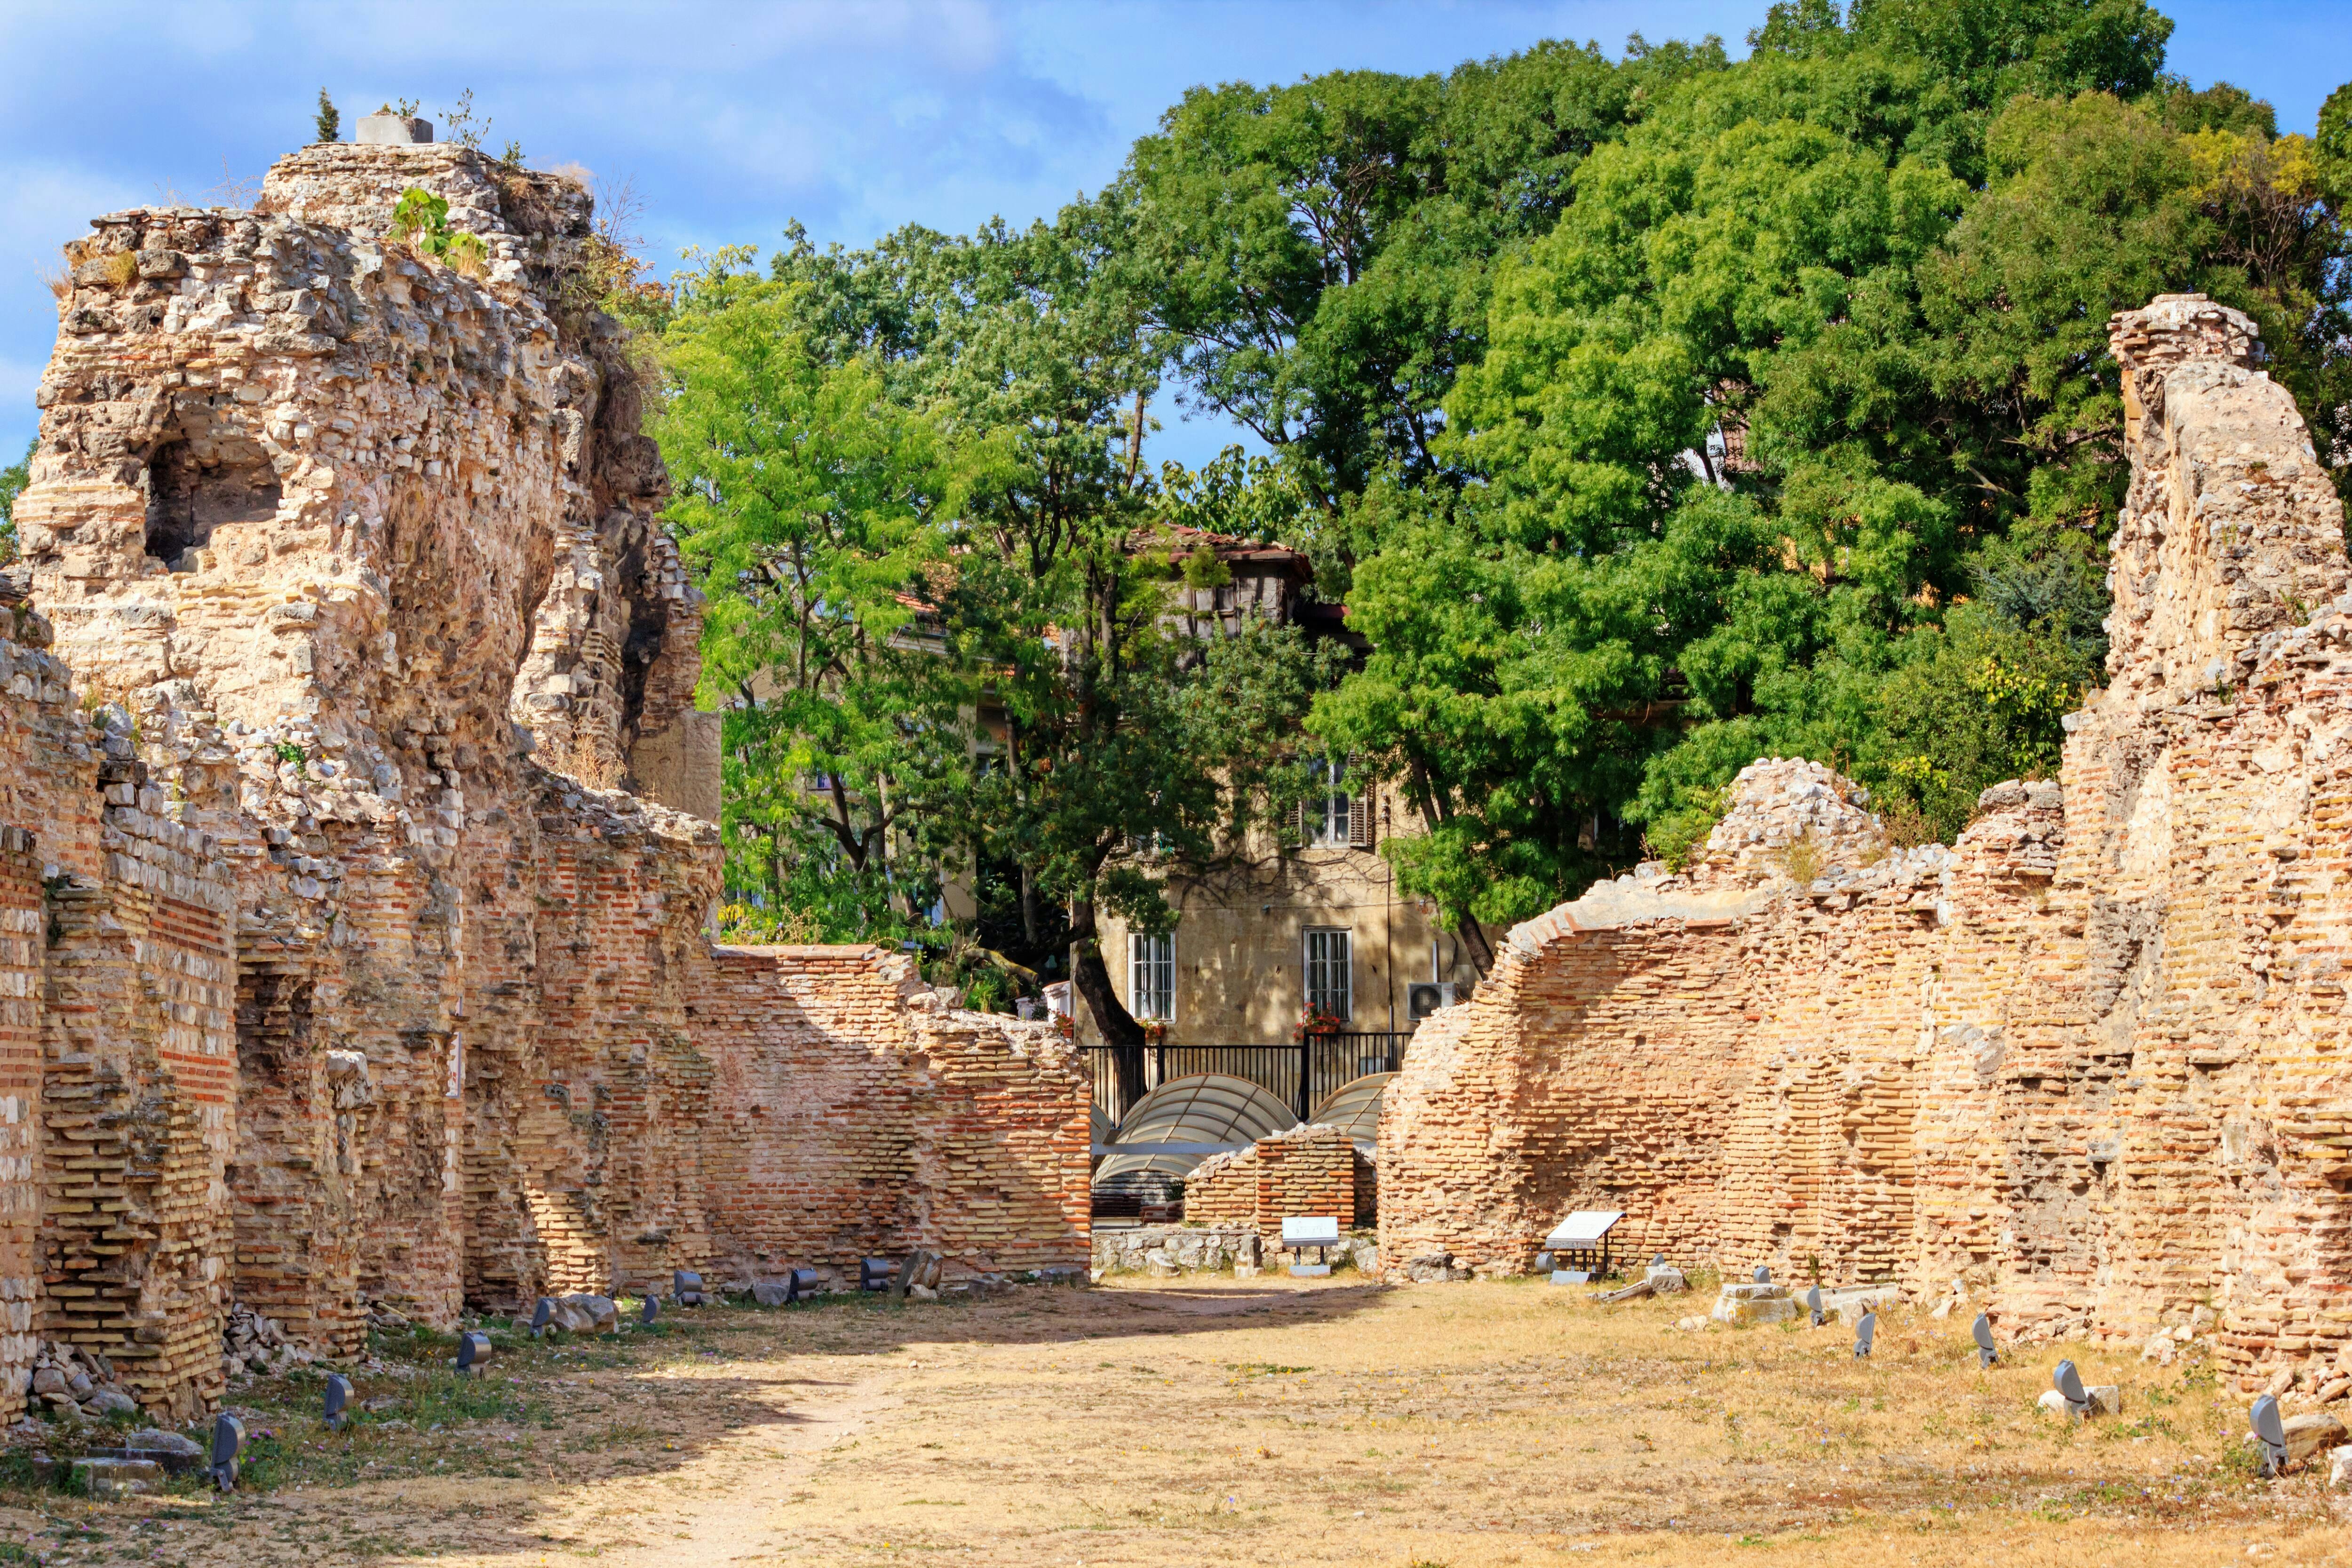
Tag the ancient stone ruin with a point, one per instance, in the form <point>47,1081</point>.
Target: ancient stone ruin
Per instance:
<point>355,838</point>
<point>2088,1067</point>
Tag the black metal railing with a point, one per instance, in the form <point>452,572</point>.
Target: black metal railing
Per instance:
<point>1300,1075</point>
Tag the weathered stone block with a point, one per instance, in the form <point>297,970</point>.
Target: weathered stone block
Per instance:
<point>116,1477</point>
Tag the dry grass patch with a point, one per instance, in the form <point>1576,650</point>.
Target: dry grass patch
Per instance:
<point>1248,1421</point>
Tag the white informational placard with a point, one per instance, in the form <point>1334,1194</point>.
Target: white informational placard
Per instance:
<point>1584,1228</point>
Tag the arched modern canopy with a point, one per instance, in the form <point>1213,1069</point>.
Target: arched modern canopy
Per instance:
<point>1356,1106</point>
<point>1194,1112</point>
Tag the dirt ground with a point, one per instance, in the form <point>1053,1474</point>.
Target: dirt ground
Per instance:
<point>1186,1422</point>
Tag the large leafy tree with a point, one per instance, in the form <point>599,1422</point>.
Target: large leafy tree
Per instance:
<point>1650,414</point>
<point>1315,259</point>
<point>808,501</point>
<point>1814,353</point>
<point>942,578</point>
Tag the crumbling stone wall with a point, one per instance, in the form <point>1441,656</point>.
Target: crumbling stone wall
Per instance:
<point>1310,1171</point>
<point>355,848</point>
<point>855,1115</point>
<point>2085,1064</point>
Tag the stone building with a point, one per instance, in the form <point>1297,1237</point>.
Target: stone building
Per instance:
<point>354,825</point>
<point>1276,926</point>
<point>2086,1066</point>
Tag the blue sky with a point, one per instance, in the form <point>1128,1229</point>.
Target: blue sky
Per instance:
<point>731,117</point>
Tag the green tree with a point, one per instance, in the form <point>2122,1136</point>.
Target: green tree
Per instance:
<point>13,480</point>
<point>1316,258</point>
<point>961,419</point>
<point>1814,353</point>
<point>329,125</point>
<point>807,502</point>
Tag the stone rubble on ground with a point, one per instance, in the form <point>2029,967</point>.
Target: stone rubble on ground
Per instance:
<point>254,1345</point>
<point>74,1380</point>
<point>2311,1433</point>
<point>1753,1303</point>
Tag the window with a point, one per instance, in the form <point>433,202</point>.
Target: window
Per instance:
<point>1329,809</point>
<point>1328,969</point>
<point>1152,976</point>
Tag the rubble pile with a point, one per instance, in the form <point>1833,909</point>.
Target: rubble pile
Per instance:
<point>255,1344</point>
<point>74,1380</point>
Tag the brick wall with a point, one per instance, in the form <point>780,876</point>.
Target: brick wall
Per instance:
<point>851,1115</point>
<point>339,972</point>
<point>2083,1064</point>
<point>1309,1172</point>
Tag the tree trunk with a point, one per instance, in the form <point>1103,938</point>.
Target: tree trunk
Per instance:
<point>1090,977</point>
<point>1482,952</point>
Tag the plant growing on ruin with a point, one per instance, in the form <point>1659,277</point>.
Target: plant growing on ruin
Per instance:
<point>1803,858</point>
<point>468,254</point>
<point>122,269</point>
<point>459,126</point>
<point>421,221</point>
<point>329,125</point>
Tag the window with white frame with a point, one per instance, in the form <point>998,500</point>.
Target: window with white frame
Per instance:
<point>1328,807</point>
<point>1151,975</point>
<point>1329,971</point>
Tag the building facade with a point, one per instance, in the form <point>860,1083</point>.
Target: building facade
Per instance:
<point>1284,928</point>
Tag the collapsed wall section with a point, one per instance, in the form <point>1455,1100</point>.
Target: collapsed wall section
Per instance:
<point>356,839</point>
<point>854,1115</point>
<point>300,502</point>
<point>2084,1066</point>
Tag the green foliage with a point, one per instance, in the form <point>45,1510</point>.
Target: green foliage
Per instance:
<point>1977,701</point>
<point>1316,256</point>
<point>1815,351</point>
<point>942,585</point>
<point>1650,417</point>
<point>422,219</point>
<point>458,125</point>
<point>13,480</point>
<point>804,499</point>
<point>329,125</point>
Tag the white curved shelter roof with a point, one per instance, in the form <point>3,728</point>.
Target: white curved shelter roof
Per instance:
<point>1200,1114</point>
<point>1356,1106</point>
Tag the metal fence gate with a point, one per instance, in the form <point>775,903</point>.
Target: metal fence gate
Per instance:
<point>1301,1076</point>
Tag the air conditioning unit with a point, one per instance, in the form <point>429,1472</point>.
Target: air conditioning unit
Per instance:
<point>1426,996</point>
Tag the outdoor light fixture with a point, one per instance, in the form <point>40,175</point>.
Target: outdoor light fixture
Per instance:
<point>685,1287</point>
<point>650,1310</point>
<point>1982,1331</point>
<point>873,1273</point>
<point>542,1315</point>
<point>2068,1384</point>
<point>228,1442</point>
<point>800,1283</point>
<point>338,1394</point>
<point>473,1349</point>
<point>1864,1333</point>
<point>1763,1275</point>
<point>1813,1305</point>
<point>2271,1434</point>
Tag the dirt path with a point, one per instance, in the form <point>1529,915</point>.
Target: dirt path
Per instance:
<point>1267,1422</point>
